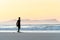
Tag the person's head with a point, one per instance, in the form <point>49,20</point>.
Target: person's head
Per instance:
<point>18,18</point>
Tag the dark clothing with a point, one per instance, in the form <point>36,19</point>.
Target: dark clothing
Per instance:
<point>18,25</point>
<point>18,29</point>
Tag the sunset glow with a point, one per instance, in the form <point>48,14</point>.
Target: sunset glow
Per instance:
<point>29,9</point>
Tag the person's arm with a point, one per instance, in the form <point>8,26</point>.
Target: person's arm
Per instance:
<point>17,23</point>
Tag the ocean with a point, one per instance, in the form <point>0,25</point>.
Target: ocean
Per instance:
<point>32,27</point>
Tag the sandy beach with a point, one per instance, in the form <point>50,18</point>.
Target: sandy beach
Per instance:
<point>29,36</point>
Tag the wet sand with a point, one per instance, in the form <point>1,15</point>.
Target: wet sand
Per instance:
<point>29,36</point>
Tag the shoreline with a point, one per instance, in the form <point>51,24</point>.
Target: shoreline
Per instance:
<point>58,31</point>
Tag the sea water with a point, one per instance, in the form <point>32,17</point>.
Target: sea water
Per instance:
<point>32,28</point>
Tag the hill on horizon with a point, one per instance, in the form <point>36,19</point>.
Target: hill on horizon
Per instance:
<point>27,21</point>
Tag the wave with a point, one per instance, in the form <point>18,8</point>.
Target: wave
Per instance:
<point>33,27</point>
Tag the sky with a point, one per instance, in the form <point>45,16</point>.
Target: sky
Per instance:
<point>29,9</point>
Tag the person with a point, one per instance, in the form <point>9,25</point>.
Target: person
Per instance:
<point>18,24</point>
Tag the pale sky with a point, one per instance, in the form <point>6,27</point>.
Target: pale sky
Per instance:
<point>29,9</point>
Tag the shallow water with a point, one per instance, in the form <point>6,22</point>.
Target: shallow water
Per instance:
<point>32,27</point>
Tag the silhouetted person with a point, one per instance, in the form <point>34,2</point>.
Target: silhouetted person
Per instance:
<point>18,24</point>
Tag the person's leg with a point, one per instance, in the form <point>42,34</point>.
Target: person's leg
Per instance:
<point>18,29</point>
